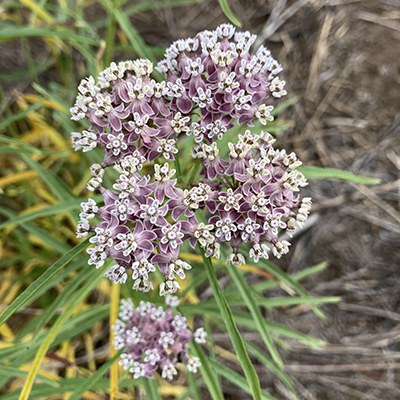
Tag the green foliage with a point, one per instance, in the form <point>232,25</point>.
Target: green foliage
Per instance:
<point>229,13</point>
<point>248,297</point>
<point>208,374</point>
<point>312,172</point>
<point>234,334</point>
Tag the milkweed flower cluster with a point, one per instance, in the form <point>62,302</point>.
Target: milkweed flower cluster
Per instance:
<point>256,200</point>
<point>154,339</point>
<point>246,195</point>
<point>215,75</point>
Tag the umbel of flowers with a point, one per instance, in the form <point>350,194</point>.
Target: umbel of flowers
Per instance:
<point>154,339</point>
<point>243,201</point>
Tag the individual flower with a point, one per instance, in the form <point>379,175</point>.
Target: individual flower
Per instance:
<point>154,340</point>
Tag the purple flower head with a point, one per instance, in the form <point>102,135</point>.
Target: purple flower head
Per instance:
<point>243,201</point>
<point>217,76</point>
<point>122,106</point>
<point>256,199</point>
<point>154,340</point>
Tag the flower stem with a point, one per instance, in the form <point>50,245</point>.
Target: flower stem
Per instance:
<point>234,334</point>
<point>195,170</point>
<point>178,168</point>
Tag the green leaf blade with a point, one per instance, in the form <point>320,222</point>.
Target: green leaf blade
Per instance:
<point>208,374</point>
<point>319,173</point>
<point>225,7</point>
<point>255,312</point>
<point>92,380</point>
<point>234,334</point>
<point>29,294</point>
<point>237,380</point>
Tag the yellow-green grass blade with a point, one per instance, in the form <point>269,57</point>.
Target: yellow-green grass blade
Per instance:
<point>297,277</point>
<point>289,281</point>
<point>90,382</point>
<point>244,319</point>
<point>13,372</point>
<point>235,299</point>
<point>45,212</point>
<point>18,32</point>
<point>18,116</point>
<point>151,388</point>
<point>44,236</point>
<point>52,181</point>
<point>259,354</point>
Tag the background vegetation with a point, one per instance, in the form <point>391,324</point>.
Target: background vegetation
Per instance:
<point>56,311</point>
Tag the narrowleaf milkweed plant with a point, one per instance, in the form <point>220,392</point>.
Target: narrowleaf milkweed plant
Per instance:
<point>237,200</point>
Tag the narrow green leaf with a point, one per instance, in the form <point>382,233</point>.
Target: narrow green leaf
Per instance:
<point>22,353</point>
<point>244,319</point>
<point>52,333</point>
<point>44,212</point>
<point>12,372</point>
<point>158,5</point>
<point>67,293</point>
<point>20,115</point>
<point>52,308</point>
<point>255,312</point>
<point>194,390</point>
<point>284,105</point>
<point>55,94</point>
<point>138,44</point>
<point>259,354</point>
<point>26,150</point>
<point>313,172</point>
<point>52,181</point>
<point>23,73</point>
<point>298,276</point>
<point>288,280</point>
<point>208,374</point>
<point>44,391</point>
<point>144,6</point>
<point>96,376</point>
<point>51,241</point>
<point>29,294</point>
<point>18,32</point>
<point>234,334</point>
<point>151,387</point>
<point>293,301</point>
<point>229,13</point>
<point>237,380</point>
<point>272,302</point>
<point>29,148</point>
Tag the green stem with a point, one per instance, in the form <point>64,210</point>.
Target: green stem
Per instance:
<point>194,172</point>
<point>234,334</point>
<point>178,168</point>
<point>110,35</point>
